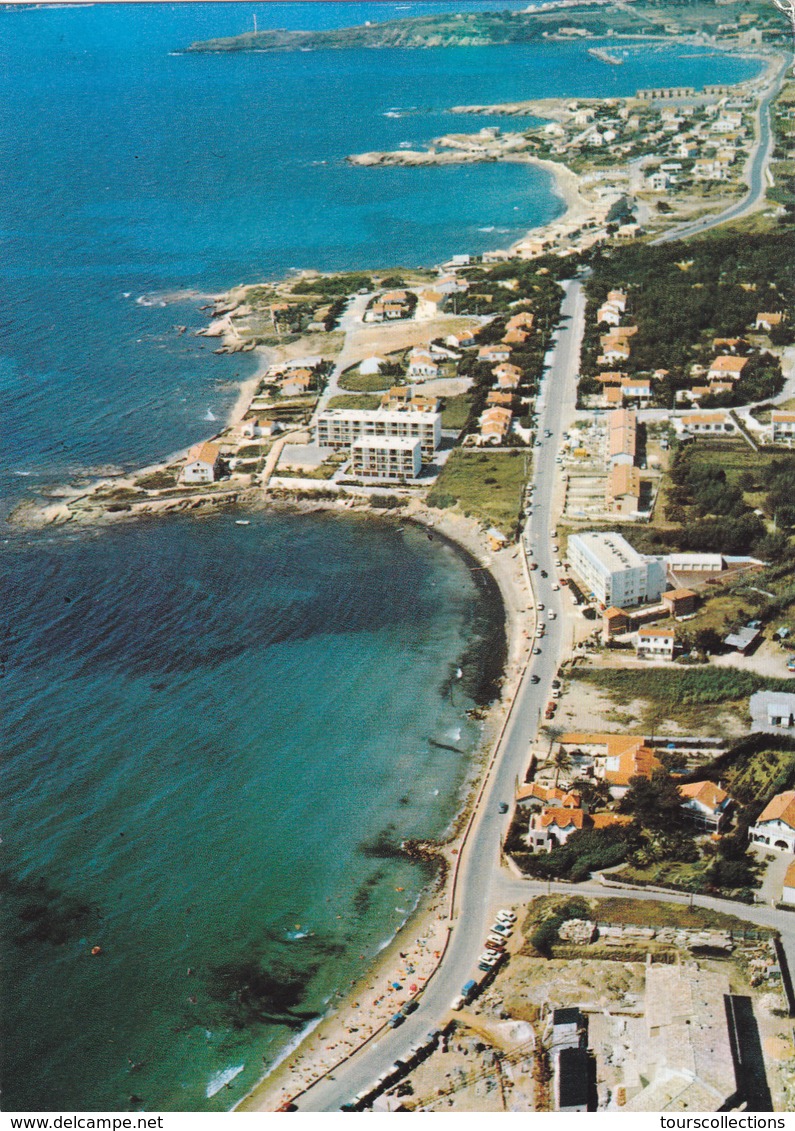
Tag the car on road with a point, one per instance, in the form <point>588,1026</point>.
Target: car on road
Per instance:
<point>410,1007</point>
<point>536,651</point>
<point>503,806</point>
<point>547,432</point>
<point>395,1020</point>
<point>555,588</point>
<point>558,562</point>
<point>535,679</point>
<point>556,683</point>
<point>537,444</point>
<point>552,615</point>
<point>540,606</point>
<point>556,694</point>
<point>544,573</point>
<point>457,1002</point>
<point>533,565</point>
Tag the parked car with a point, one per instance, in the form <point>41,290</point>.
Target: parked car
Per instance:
<point>506,915</point>
<point>410,1007</point>
<point>552,615</point>
<point>536,651</point>
<point>502,929</point>
<point>395,1020</point>
<point>535,679</point>
<point>540,607</point>
<point>457,1002</point>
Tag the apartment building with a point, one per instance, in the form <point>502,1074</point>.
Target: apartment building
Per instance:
<point>340,427</point>
<point>386,459</point>
<point>613,571</point>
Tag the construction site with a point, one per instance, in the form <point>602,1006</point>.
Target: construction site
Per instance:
<point>690,1016</point>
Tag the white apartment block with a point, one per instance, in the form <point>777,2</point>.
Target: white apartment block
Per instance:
<point>386,459</point>
<point>613,571</point>
<point>340,427</point>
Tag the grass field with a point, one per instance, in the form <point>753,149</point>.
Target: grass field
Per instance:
<point>486,485</point>
<point>686,696</point>
<point>365,382</point>
<point>456,411</point>
<point>355,400</point>
<point>764,773</point>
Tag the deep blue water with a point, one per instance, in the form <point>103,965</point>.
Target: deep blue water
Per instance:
<point>210,728</point>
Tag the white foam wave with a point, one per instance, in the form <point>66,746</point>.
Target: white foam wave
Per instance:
<point>222,1078</point>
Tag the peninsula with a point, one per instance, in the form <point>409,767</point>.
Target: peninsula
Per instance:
<point>553,19</point>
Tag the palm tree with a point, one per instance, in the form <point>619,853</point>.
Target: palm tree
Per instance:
<point>561,761</point>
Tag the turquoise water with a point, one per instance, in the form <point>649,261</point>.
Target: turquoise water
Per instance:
<point>215,736</point>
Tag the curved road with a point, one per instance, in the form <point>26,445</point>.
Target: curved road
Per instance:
<point>754,178</point>
<point>479,881</point>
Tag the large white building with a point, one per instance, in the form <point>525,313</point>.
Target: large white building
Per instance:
<point>613,571</point>
<point>339,427</point>
<point>386,459</point>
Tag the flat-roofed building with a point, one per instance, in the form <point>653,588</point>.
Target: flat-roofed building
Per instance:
<point>339,427</point>
<point>386,459</point>
<point>782,427</point>
<point>614,571</point>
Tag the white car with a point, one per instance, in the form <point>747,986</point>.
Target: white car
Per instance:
<point>540,607</point>
<point>457,1002</point>
<point>488,959</point>
<point>506,916</point>
<point>552,615</point>
<point>555,587</point>
<point>504,929</point>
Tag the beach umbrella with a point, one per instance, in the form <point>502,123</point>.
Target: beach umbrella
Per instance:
<point>396,986</point>
<point>412,988</point>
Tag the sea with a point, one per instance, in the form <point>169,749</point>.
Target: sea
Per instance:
<point>216,737</point>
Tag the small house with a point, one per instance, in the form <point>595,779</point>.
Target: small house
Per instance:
<point>775,826</point>
<point>204,462</point>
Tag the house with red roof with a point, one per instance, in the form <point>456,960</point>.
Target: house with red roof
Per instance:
<point>775,826</point>
<point>706,805</point>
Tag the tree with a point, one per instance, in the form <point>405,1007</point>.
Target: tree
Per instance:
<point>561,761</point>
<point>707,640</point>
<point>654,802</point>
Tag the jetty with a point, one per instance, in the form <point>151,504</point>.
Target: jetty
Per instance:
<point>605,56</point>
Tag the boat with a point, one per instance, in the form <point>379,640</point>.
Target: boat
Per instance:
<point>242,522</point>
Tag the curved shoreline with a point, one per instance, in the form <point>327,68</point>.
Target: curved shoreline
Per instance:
<point>330,1043</point>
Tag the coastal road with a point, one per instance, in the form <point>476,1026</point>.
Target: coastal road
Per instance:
<point>478,882</point>
<point>754,176</point>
